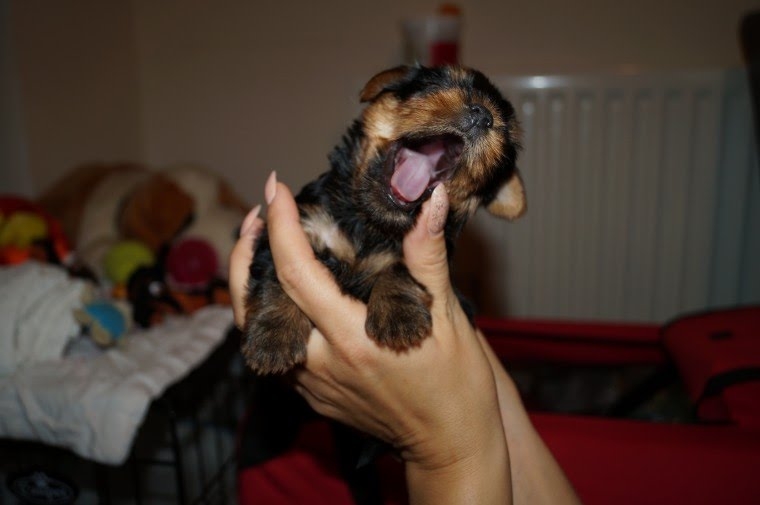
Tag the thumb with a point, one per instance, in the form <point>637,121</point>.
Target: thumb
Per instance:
<point>425,246</point>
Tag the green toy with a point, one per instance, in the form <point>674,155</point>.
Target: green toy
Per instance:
<point>124,258</point>
<point>21,229</point>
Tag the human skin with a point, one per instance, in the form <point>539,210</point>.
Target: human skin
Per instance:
<point>448,406</point>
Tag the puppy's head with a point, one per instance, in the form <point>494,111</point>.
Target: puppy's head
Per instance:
<point>428,126</point>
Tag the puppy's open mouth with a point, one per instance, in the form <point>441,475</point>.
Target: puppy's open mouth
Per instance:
<point>419,165</point>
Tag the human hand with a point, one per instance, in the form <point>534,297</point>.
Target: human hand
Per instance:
<point>436,403</point>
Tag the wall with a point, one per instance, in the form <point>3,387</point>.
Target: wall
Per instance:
<point>251,87</point>
<point>247,87</point>
<point>12,149</point>
<point>77,73</point>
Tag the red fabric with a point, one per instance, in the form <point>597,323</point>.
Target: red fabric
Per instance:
<point>631,462</point>
<point>743,403</point>
<point>444,53</point>
<point>573,342</point>
<point>608,461</point>
<point>305,475</point>
<point>704,346</point>
<point>308,475</point>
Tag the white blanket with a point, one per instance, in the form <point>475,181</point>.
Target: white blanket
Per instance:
<point>37,303</point>
<point>94,405</point>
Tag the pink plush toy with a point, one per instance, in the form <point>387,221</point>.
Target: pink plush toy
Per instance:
<point>191,264</point>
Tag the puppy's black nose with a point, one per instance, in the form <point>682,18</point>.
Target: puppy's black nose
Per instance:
<point>477,117</point>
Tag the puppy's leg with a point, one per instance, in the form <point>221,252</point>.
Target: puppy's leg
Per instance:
<point>276,332</point>
<point>398,309</point>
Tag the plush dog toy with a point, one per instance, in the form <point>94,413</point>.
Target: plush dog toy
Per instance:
<point>102,205</point>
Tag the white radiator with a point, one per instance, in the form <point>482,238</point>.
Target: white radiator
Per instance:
<point>642,201</point>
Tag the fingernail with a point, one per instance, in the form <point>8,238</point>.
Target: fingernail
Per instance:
<point>250,221</point>
<point>440,211</point>
<point>270,188</point>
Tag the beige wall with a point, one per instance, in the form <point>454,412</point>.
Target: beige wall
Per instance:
<point>247,87</point>
<point>78,84</point>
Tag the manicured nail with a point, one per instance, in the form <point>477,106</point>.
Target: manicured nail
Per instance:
<point>250,221</point>
<point>270,188</point>
<point>440,211</point>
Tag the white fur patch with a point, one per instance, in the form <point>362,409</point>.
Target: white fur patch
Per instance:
<point>324,234</point>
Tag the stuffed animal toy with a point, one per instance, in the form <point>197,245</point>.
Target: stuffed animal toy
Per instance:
<point>191,264</point>
<point>218,211</point>
<point>105,321</point>
<point>22,229</point>
<point>152,299</point>
<point>28,232</point>
<point>124,258</point>
<point>100,205</point>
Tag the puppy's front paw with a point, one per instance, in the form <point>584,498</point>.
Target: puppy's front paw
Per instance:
<point>271,350</point>
<point>275,336</point>
<point>398,310</point>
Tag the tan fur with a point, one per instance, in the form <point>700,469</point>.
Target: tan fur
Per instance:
<point>324,234</point>
<point>510,203</point>
<point>376,85</point>
<point>376,263</point>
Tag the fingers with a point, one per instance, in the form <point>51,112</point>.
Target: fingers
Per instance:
<point>425,246</point>
<point>304,278</point>
<point>240,260</point>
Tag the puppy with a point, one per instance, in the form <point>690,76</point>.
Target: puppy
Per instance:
<point>421,127</point>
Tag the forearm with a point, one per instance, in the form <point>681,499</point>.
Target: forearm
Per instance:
<point>536,476</point>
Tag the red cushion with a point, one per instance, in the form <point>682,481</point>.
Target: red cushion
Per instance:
<point>742,402</point>
<point>573,342</point>
<point>718,357</point>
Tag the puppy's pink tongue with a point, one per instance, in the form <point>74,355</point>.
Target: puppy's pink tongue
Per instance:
<point>413,173</point>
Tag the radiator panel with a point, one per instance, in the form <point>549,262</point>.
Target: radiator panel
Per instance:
<point>641,204</point>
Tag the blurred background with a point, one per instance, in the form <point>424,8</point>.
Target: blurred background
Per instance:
<point>249,87</point>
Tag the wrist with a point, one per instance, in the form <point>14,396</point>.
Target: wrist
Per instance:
<point>480,474</point>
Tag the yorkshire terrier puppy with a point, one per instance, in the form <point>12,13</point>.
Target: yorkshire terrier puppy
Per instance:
<point>421,127</point>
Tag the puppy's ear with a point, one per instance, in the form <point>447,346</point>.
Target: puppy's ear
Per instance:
<point>383,81</point>
<point>510,202</point>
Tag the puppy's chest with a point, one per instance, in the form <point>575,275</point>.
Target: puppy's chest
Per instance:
<point>354,255</point>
